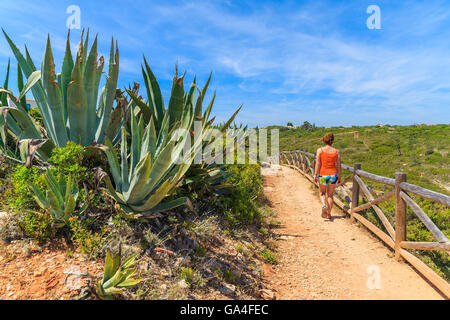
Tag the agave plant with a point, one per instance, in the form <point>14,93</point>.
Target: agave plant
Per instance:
<point>150,169</point>
<point>116,276</point>
<point>179,104</point>
<point>60,198</point>
<point>70,104</point>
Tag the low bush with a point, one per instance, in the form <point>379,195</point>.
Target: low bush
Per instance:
<point>83,237</point>
<point>268,256</point>
<point>190,276</point>
<point>242,205</point>
<point>36,225</point>
<point>68,160</point>
<point>22,197</point>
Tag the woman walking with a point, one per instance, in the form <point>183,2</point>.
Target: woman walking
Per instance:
<point>327,173</point>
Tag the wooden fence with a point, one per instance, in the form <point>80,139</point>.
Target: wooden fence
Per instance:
<point>395,236</point>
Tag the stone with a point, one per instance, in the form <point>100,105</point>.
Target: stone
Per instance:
<point>143,266</point>
<point>182,284</point>
<point>227,289</point>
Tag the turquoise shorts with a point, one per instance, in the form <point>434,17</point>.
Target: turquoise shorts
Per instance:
<point>326,180</point>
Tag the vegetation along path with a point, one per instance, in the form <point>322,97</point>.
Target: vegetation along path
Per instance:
<point>323,259</point>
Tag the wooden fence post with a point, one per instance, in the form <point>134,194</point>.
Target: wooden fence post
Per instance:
<point>303,161</point>
<point>355,191</point>
<point>400,214</point>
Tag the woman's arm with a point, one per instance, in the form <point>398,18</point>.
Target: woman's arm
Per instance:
<point>338,166</point>
<point>318,164</point>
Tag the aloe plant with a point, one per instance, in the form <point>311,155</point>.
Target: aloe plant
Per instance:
<point>70,104</point>
<point>60,198</point>
<point>116,276</point>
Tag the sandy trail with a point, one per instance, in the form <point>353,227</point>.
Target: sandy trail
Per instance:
<point>322,259</point>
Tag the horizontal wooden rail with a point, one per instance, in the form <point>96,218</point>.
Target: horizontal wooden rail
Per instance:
<point>425,245</point>
<point>346,167</point>
<point>395,238</point>
<point>428,194</point>
<point>375,177</point>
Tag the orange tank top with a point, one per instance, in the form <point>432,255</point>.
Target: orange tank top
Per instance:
<point>328,163</point>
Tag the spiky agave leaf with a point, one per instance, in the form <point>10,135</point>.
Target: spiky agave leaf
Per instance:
<point>60,197</point>
<point>68,101</point>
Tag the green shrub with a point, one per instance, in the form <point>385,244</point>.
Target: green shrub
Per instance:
<point>152,239</point>
<point>268,256</point>
<point>190,276</point>
<point>229,276</point>
<point>383,150</point>
<point>203,229</point>
<point>434,158</point>
<point>242,204</point>
<point>65,161</point>
<point>35,113</point>
<point>200,251</point>
<point>22,196</point>
<point>68,160</point>
<point>84,238</point>
<point>36,225</point>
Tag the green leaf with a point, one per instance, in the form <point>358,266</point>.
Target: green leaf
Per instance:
<point>53,186</point>
<point>176,102</point>
<point>227,124</point>
<point>40,198</point>
<point>77,106</point>
<point>109,267</point>
<point>32,79</point>
<point>91,85</point>
<point>198,105</point>
<point>20,86</point>
<point>107,95</point>
<point>124,183</point>
<point>3,96</point>
<point>154,94</point>
<point>208,110</point>
<point>171,204</point>
<point>66,75</point>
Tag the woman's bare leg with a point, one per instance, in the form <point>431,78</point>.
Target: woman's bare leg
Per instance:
<point>330,193</point>
<point>323,194</point>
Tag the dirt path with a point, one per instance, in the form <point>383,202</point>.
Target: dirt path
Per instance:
<point>322,259</point>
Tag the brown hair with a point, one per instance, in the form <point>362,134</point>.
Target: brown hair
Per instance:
<point>328,138</point>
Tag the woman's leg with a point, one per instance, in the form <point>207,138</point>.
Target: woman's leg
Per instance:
<point>323,194</point>
<point>330,193</point>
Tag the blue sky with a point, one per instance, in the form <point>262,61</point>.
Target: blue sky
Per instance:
<point>284,61</point>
